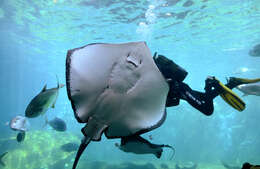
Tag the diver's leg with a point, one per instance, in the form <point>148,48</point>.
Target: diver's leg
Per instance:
<point>201,101</point>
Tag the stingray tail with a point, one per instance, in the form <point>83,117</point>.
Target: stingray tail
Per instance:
<point>84,143</point>
<point>173,150</point>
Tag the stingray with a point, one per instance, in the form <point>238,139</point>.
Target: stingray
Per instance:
<point>116,89</point>
<point>138,145</point>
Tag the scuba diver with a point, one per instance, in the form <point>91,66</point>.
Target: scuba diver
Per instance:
<point>202,101</point>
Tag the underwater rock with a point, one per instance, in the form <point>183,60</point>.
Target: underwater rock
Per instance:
<point>41,150</point>
<point>132,166</point>
<point>60,164</point>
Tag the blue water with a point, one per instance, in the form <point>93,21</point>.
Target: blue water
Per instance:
<point>206,37</point>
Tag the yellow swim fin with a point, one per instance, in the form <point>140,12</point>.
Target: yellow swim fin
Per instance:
<point>231,98</point>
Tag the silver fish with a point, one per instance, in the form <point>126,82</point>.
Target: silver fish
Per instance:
<point>19,123</point>
<point>43,101</point>
<point>250,89</point>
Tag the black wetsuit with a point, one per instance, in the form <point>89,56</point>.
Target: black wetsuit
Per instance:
<point>174,74</point>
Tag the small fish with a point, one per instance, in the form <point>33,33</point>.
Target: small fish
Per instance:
<point>20,137</point>
<point>250,89</point>
<point>19,123</point>
<point>255,52</point>
<point>150,137</point>
<point>1,159</point>
<point>57,124</point>
<point>70,147</point>
<point>43,101</point>
<point>138,145</point>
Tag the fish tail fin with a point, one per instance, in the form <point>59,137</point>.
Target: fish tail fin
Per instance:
<point>173,150</point>
<point>1,159</point>
<point>84,143</point>
<point>46,121</point>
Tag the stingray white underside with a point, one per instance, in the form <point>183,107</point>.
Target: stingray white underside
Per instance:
<point>116,88</point>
